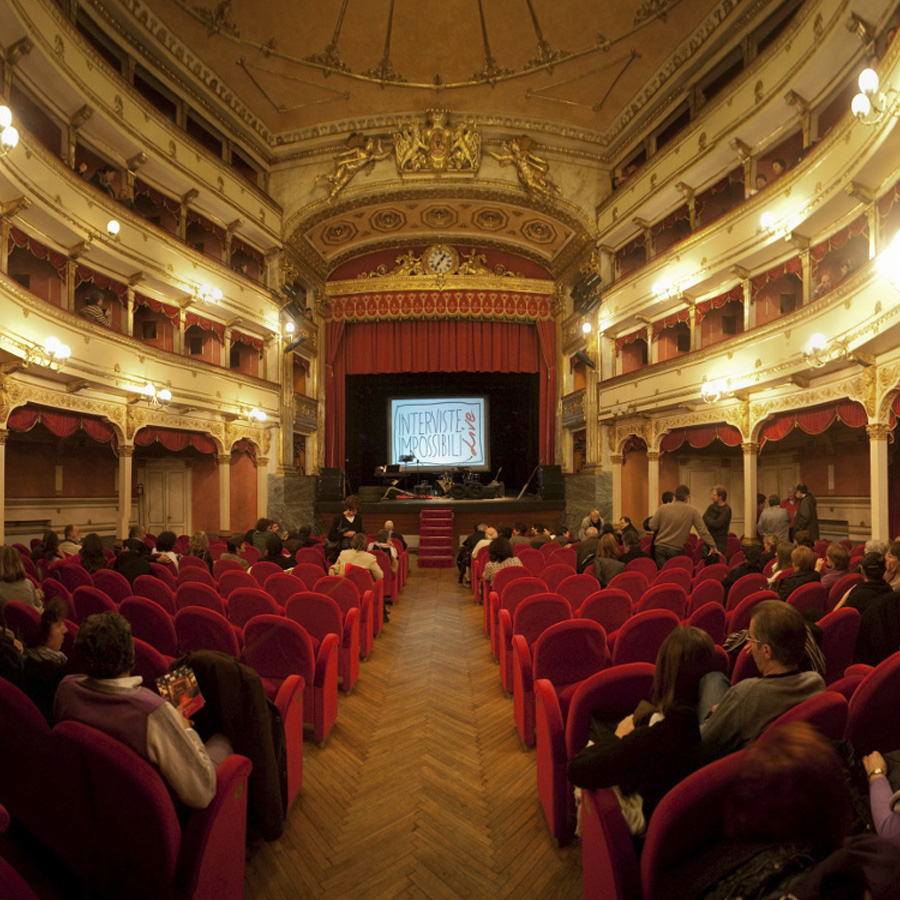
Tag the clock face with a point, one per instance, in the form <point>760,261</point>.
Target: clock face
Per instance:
<point>441,259</point>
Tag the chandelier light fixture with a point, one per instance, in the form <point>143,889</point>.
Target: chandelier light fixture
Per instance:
<point>815,350</point>
<point>871,104</point>
<point>158,398</point>
<point>207,294</point>
<point>9,137</point>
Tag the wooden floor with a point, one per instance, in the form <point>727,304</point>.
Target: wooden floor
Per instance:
<point>423,789</point>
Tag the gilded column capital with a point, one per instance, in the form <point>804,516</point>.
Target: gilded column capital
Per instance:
<point>262,461</point>
<point>4,434</point>
<point>878,431</point>
<point>750,448</point>
<point>124,452</point>
<point>617,459</point>
<point>653,455</point>
<point>224,459</point>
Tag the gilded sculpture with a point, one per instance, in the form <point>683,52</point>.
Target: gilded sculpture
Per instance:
<point>361,154</point>
<point>437,146</point>
<point>531,168</point>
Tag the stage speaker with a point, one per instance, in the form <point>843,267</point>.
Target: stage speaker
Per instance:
<point>330,485</point>
<point>476,490</point>
<point>458,492</point>
<point>550,483</point>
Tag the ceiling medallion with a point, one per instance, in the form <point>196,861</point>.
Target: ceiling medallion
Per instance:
<point>438,146</point>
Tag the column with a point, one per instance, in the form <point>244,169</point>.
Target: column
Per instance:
<point>123,490</point>
<point>192,194</point>
<point>616,460</point>
<point>652,481</point>
<point>129,311</point>
<point>4,434</point>
<point>224,461</point>
<point>76,120</point>
<point>879,488</point>
<point>262,486</point>
<point>751,452</point>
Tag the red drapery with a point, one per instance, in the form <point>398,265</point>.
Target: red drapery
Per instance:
<point>205,224</point>
<point>238,246</point>
<point>683,315</point>
<point>84,274</point>
<point>791,267</point>
<point>174,440</point>
<point>245,446</point>
<point>632,337</point>
<point>207,325</point>
<point>858,226</point>
<point>506,305</point>
<point>735,295</point>
<point>238,337</point>
<point>393,346</point>
<point>170,203</point>
<point>700,436</point>
<point>38,250</point>
<point>61,424</point>
<point>682,214</point>
<point>171,312</point>
<point>814,421</point>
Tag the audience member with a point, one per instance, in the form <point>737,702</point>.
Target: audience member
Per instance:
<point>357,555</point>
<point>383,542</point>
<point>299,539</point>
<point>344,527</point>
<point>631,542</point>
<point>199,547</point>
<point>103,177</point>
<point>92,556</point>
<point>659,744</point>
<point>892,565</point>
<point>803,561</point>
<point>275,552</point>
<point>45,663</point>
<point>562,535</point>
<point>395,535</point>
<point>94,310</point>
<point>672,523</point>
<point>539,536</point>
<point>732,716</point>
<point>235,546</point>
<point>111,700</point>
<point>14,585</point>
<point>625,525</point>
<point>520,534</point>
<point>791,503</point>
<point>71,542</point>
<point>775,519</point>
<point>717,517</point>
<point>607,563</point>
<point>135,557</point>
<point>592,520</point>
<point>165,549</point>
<point>802,539</point>
<point>782,560</point>
<point>876,545</point>
<point>751,565</point>
<point>861,595</point>
<point>587,549</point>
<point>806,518</point>
<point>770,544</point>
<point>834,566</point>
<point>464,557</point>
<point>778,167</point>
<point>500,556</point>
<point>884,799</point>
<point>46,552</point>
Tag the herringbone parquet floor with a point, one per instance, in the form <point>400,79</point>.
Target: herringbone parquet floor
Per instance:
<point>423,789</point>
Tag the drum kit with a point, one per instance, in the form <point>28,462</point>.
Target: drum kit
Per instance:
<point>461,483</point>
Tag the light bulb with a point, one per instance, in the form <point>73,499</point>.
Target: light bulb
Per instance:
<point>165,395</point>
<point>586,328</point>
<point>861,106</point>
<point>767,220</point>
<point>289,327</point>
<point>868,81</point>
<point>52,345</point>
<point>5,117</point>
<point>817,343</point>
<point>9,137</point>
<point>148,390</point>
<point>112,226</point>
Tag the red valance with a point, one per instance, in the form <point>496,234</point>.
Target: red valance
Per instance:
<point>791,267</point>
<point>439,304</point>
<point>814,421</point>
<point>637,244</point>
<point>205,224</point>
<point>172,312</point>
<point>244,446</point>
<point>216,327</point>
<point>682,214</point>
<point>631,338</point>
<point>85,275</point>
<point>700,436</point>
<point>61,424</point>
<point>886,202</point>
<point>859,225</point>
<point>633,443</point>
<point>238,337</point>
<point>735,295</point>
<point>239,246</point>
<point>174,440</point>
<point>38,250</point>
<point>170,203</point>
<point>683,315</point>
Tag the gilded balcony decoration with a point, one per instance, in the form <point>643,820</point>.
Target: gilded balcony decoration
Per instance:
<point>573,415</point>
<point>437,146</point>
<point>306,413</point>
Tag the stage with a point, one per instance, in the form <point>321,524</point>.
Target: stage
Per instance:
<point>404,513</point>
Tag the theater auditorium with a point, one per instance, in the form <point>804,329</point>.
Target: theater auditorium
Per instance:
<point>427,272</point>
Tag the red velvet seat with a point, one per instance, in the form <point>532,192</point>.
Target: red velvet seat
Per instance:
<point>114,584</point>
<point>665,595</point>
<point>530,618</point>
<point>808,596</point>
<point>610,608</point>
<point>308,573</point>
<point>567,556</point>
<point>739,617</point>
<point>149,664</point>
<point>706,591</point>
<point>644,565</point>
<point>73,575</point>
<point>153,588</point>
<point>548,549</point>
<point>262,570</point>
<point>193,593</point>
<point>55,588</point>
<point>565,654</point>
<point>165,573</point>
<point>250,554</point>
<point>22,619</point>
<point>675,575</point>
<point>715,572</point>
<point>633,583</point>
<point>312,556</point>
<point>609,866</point>
<point>365,583</point>
<point>840,587</point>
<point>555,572</point>
<point>513,594</point>
<point>278,647</point>
<point>532,559</point>
<point>191,562</point>
<point>498,583</point>
<point>577,588</point>
<point>869,726</point>
<point>221,566</point>
<point>679,562</point>
<point>390,584</point>
<point>281,587</point>
<point>826,712</point>
<point>743,587</point>
<point>12,885</point>
<point>840,629</point>
<point>247,602</point>
<point>711,618</point>
<point>233,579</point>
<point>199,628</point>
<point>640,638</point>
<point>151,623</point>
<point>89,600</point>
<point>320,615</point>
<point>347,596</point>
<point>196,574</point>
<point>610,693</point>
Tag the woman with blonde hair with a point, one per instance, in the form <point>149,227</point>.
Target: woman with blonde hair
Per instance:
<point>14,584</point>
<point>199,547</point>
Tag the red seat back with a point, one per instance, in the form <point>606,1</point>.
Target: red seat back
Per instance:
<point>840,629</point>
<point>868,725</point>
<point>276,647</point>
<point>199,628</point>
<point>826,712</point>
<point>640,638</point>
<point>341,590</point>
<point>23,620</point>
<point>644,565</point>
<point>711,618</point>
<point>532,559</point>
<point>706,591</point>
<point>676,575</point>
<point>577,588</point>
<point>534,615</point>
<point>566,556</point>
<point>221,566</point>
<point>165,573</point>
<point>808,596</point>
<point>679,562</point>
<point>73,575</point>
<point>609,607</point>
<point>282,587</point>
<point>312,556</point>
<point>663,596</point>
<point>198,574</point>
<point>114,584</point>
<point>716,572</point>
<point>154,589</point>
<point>840,587</point>
<point>569,652</point>
<point>247,602</point>
<point>317,613</point>
<point>151,623</point>
<point>233,579</point>
<point>633,583</point>
<point>743,587</point>
<point>308,573</point>
<point>193,593</point>
<point>507,575</point>
<point>262,570</point>
<point>89,600</point>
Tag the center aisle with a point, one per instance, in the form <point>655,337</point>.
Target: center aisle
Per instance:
<point>423,789</point>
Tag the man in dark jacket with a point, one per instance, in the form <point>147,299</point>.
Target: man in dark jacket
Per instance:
<point>717,517</point>
<point>807,519</point>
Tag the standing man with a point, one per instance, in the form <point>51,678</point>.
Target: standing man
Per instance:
<point>717,517</point>
<point>672,523</point>
<point>791,503</point>
<point>806,519</point>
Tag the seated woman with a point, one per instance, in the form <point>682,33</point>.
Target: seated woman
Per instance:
<point>751,565</point>
<point>47,551</point>
<point>884,799</point>
<point>45,663</point>
<point>92,556</point>
<point>14,585</point>
<point>654,748</point>
<point>770,544</point>
<point>199,547</point>
<point>383,542</point>
<point>357,555</point>
<point>607,563</point>
<point>500,556</point>
<point>892,565</point>
<point>782,560</point>
<point>834,566</point>
<point>165,550</point>
<point>861,596</point>
<point>804,562</point>
<point>234,549</point>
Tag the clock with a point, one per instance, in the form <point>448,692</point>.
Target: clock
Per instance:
<point>441,259</point>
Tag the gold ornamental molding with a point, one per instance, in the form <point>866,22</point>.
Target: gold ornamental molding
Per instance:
<point>435,283</point>
<point>436,146</point>
<point>441,261</point>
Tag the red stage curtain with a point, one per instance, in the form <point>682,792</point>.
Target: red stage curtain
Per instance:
<point>366,348</point>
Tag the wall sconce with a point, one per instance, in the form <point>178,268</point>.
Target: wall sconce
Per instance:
<point>9,137</point>
<point>870,104</point>
<point>207,294</point>
<point>815,350</point>
<point>666,289</point>
<point>711,391</point>
<point>158,399</point>
<point>586,328</point>
<point>113,228</point>
<point>52,355</point>
<point>256,415</point>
